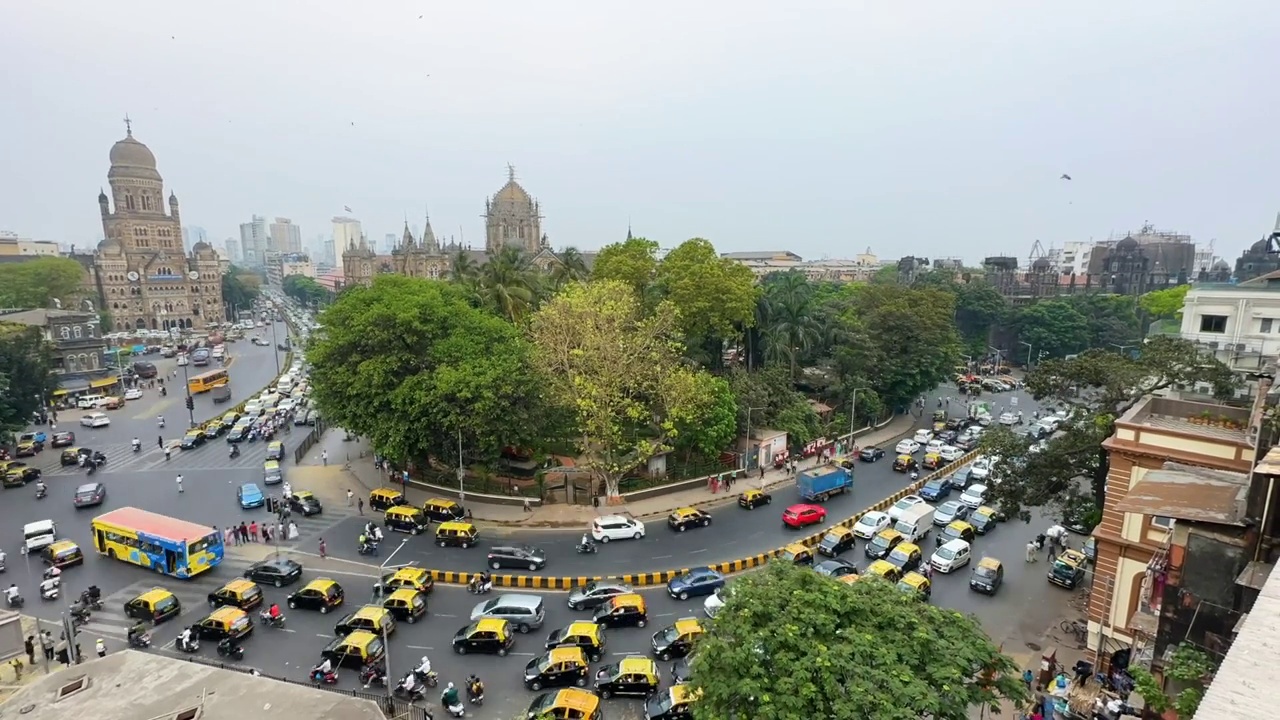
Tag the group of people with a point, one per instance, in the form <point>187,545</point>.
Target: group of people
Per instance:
<point>369,538</point>
<point>1056,540</point>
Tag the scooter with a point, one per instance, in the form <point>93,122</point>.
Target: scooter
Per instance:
<point>476,587</point>
<point>137,446</point>
<point>369,548</point>
<point>458,710</point>
<point>15,602</point>
<point>417,693</point>
<point>230,647</point>
<point>93,468</point>
<point>475,693</point>
<point>79,615</point>
<point>430,678</point>
<point>141,642</point>
<point>41,492</point>
<point>50,592</point>
<point>586,548</point>
<point>265,618</point>
<point>372,675</point>
<point>323,678</point>
<point>190,646</point>
<point>88,602</point>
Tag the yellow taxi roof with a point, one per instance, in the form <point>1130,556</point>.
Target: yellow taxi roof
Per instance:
<point>492,625</point>
<point>850,579</point>
<point>154,595</point>
<point>796,548</point>
<point>456,526</point>
<point>907,547</point>
<point>579,701</point>
<point>685,511</point>
<point>959,525</point>
<point>240,585</point>
<point>412,574</point>
<point>226,613</point>
<point>688,626</point>
<point>566,654</point>
<point>360,638</point>
<point>683,693</point>
<point>403,593</point>
<point>839,530</point>
<point>583,627</point>
<point>989,563</point>
<point>628,599</point>
<point>61,545</point>
<point>441,502</point>
<point>371,612</point>
<point>889,534</point>
<point>984,510</point>
<point>192,432</point>
<point>386,492</point>
<point>881,567</point>
<point>914,579</point>
<point>320,583</point>
<point>271,464</point>
<point>905,458</point>
<point>637,664</point>
<point>404,510</point>
<point>274,444</point>
<point>752,492</point>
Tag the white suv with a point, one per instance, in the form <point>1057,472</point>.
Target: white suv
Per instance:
<point>616,527</point>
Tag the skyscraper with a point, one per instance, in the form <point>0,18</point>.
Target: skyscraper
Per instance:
<point>388,243</point>
<point>346,232</point>
<point>233,250</point>
<point>253,241</point>
<point>285,236</point>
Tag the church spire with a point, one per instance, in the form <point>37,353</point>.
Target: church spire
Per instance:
<point>629,236</point>
<point>406,238</point>
<point>428,235</point>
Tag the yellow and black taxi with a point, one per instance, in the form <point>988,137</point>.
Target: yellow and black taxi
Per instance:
<point>956,530</point>
<point>626,610</point>
<point>212,430</point>
<point>837,540</point>
<point>682,519</point>
<point>559,667</point>
<point>914,582</point>
<point>271,473</point>
<point>486,635</point>
<point>27,448</point>
<point>413,578</point>
<point>984,519</point>
<point>674,704</point>
<point>229,420</point>
<point>754,498</point>
<point>443,510</point>
<point>588,636</point>
<point>275,451</point>
<point>155,605</point>
<point>987,576</point>
<point>321,594</point>
<point>192,440</point>
<point>797,554</point>
<point>905,463</point>
<point>63,554</point>
<point>566,704</point>
<point>456,534</point>
<point>369,618</point>
<point>386,498</point>
<point>72,455</point>
<point>634,676</point>
<point>932,461</point>
<point>883,543</point>
<point>241,593</point>
<point>17,473</point>
<point>906,556</point>
<point>225,622</point>
<point>355,650</point>
<point>406,604</point>
<point>884,569</point>
<point>305,502</point>
<point>406,519</point>
<point>1068,570</point>
<point>676,640</point>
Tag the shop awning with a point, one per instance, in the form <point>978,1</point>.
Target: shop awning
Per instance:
<point>104,382</point>
<point>72,385</point>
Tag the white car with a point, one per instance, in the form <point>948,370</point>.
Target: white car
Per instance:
<point>870,524</point>
<point>974,495</point>
<point>903,505</point>
<point>952,556</point>
<point>713,603</point>
<point>1008,419</point>
<point>907,447</point>
<point>981,469</point>
<point>950,453</point>
<point>184,360</point>
<point>1051,422</point>
<point>923,436</point>
<point>616,527</point>
<point>287,404</point>
<point>934,446</point>
<point>133,394</point>
<point>95,420</point>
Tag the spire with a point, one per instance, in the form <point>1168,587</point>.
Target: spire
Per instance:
<point>406,238</point>
<point>128,125</point>
<point>629,237</point>
<point>428,235</point>
<point>511,172</point>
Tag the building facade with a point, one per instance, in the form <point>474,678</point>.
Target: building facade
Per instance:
<point>1238,323</point>
<point>858,269</point>
<point>284,237</point>
<point>254,241</point>
<point>283,265</point>
<point>79,351</point>
<point>139,272</point>
<point>13,246</point>
<point>512,218</point>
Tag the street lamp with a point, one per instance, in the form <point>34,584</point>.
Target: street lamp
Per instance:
<point>746,459</point>
<point>1030,352</point>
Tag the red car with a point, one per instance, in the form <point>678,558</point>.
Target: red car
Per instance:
<point>803,514</point>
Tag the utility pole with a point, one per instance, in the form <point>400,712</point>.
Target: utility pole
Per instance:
<point>853,414</point>
<point>462,495</point>
<point>1031,349</point>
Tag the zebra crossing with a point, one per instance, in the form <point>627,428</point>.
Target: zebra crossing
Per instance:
<point>193,594</point>
<point>212,455</point>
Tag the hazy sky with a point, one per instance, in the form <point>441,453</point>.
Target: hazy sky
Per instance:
<point>928,128</point>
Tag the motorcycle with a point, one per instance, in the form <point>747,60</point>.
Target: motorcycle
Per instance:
<point>429,678</point>
<point>372,675</point>
<point>98,459</point>
<point>137,446</point>
<point>190,646</point>
<point>457,710</point>
<point>369,548</point>
<point>230,647</point>
<point>140,642</point>
<point>93,468</point>
<point>323,678</point>
<point>41,492</point>
<point>79,615</point>
<point>417,693</point>
<point>475,693</point>
<point>160,422</point>
<point>475,587</point>
<point>586,548</point>
<point>15,602</point>
<point>235,452</point>
<point>265,618</point>
<point>50,591</point>
<point>88,602</point>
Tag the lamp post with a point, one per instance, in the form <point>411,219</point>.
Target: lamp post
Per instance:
<point>191,403</point>
<point>462,495</point>
<point>1031,349</point>
<point>853,414</point>
<point>999,356</point>
<point>746,457</point>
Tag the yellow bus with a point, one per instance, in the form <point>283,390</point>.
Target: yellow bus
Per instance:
<point>205,382</point>
<point>167,545</point>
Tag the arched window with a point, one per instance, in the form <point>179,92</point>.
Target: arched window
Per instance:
<point>71,364</point>
<point>128,202</point>
<point>65,332</point>
<point>93,361</point>
<point>141,324</point>
<point>76,332</point>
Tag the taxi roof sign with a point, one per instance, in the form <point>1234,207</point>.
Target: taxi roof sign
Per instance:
<point>688,626</point>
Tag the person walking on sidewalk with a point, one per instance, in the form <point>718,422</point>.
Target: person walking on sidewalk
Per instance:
<point>253,531</point>
<point>101,648</point>
<point>324,460</point>
<point>527,507</point>
<point>350,495</point>
<point>179,479</point>
<point>30,647</point>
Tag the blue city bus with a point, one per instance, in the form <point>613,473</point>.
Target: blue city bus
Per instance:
<point>167,545</point>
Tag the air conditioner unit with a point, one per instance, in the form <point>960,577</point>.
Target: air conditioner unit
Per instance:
<point>1213,344</point>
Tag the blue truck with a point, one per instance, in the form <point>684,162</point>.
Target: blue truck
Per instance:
<point>820,483</point>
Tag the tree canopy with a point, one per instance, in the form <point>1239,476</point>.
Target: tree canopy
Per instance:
<point>26,374</point>
<point>715,295</point>
<point>410,363</point>
<point>633,263</point>
<point>1164,304</point>
<point>239,288</point>
<point>790,643</point>
<point>304,289</point>
<point>36,283</point>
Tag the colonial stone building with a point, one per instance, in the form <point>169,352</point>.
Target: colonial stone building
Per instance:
<point>140,273</point>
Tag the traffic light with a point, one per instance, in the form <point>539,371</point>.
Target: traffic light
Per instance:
<point>191,403</point>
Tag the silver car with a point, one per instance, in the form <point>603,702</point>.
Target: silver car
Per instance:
<point>524,612</point>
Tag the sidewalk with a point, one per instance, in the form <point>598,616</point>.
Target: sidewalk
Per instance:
<point>357,459</point>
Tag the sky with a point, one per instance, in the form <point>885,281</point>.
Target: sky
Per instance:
<point>930,128</point>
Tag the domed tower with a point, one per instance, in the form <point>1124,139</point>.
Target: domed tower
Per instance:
<point>173,208</point>
<point>512,218</point>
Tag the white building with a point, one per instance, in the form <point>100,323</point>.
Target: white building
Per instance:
<point>860,269</point>
<point>1074,257</point>
<point>11,244</point>
<point>285,236</point>
<point>1239,323</point>
<point>283,265</point>
<point>233,250</point>
<point>346,232</point>
<point>253,241</point>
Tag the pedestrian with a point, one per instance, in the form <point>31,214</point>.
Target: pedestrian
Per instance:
<point>1053,552</point>
<point>227,536</point>
<point>360,505</point>
<point>1028,678</point>
<point>101,648</point>
<point>266,533</point>
<point>166,457</point>
<point>160,441</point>
<point>349,496</point>
<point>30,647</point>
<point>244,533</point>
<point>322,549</point>
<point>253,531</point>
<point>280,530</point>
<point>288,491</point>
<point>527,507</point>
<point>16,664</point>
<point>324,459</point>
<point>166,452</point>
<point>293,531</point>
<point>1031,551</point>
<point>762,472</point>
<point>46,644</point>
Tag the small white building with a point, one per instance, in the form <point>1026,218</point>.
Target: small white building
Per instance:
<point>1239,323</point>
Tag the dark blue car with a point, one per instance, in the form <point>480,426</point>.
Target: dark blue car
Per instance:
<point>699,581</point>
<point>935,490</point>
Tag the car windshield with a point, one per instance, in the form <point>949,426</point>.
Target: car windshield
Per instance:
<point>898,556</point>
<point>949,507</point>
<point>868,521</point>
<point>670,634</point>
<point>933,485</point>
<point>944,553</point>
<point>984,573</point>
<point>880,541</point>
<point>904,504</point>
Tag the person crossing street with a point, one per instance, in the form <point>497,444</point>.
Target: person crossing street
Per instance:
<point>179,480</point>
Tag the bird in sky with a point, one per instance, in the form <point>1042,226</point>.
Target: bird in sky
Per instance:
<point>1066,176</point>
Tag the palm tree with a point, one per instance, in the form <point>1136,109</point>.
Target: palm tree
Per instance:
<point>507,284</point>
<point>788,326</point>
<point>572,268</point>
<point>462,268</point>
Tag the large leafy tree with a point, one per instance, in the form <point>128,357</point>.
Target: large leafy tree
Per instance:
<point>714,430</point>
<point>791,327</point>
<point>715,295</point>
<point>38,282</point>
<point>1164,304</point>
<point>508,284</point>
<point>26,375</point>
<point>767,399</point>
<point>979,307</point>
<point>1052,328</point>
<point>304,289</point>
<point>239,288</point>
<point>1113,319</point>
<point>620,373</point>
<point>633,262</point>
<point>409,363</point>
<point>1095,387</point>
<point>790,643</point>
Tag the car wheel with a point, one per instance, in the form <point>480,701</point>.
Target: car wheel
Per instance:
<point>684,596</point>
<point>681,528</point>
<point>596,657</point>
<point>465,544</point>
<point>664,656</point>
<point>606,694</point>
<point>522,629</point>
<point>324,609</point>
<point>292,605</point>
<point>637,536</point>
<point>581,682</point>
<point>641,623</point>
<point>461,650</point>
<point>535,686</point>
<point>278,582</point>
<point>575,606</point>
<point>533,567</point>
<point>111,554</point>
<point>411,620</point>
<point>604,538</point>
<point>440,543</point>
<point>495,565</point>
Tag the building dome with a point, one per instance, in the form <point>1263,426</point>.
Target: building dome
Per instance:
<point>130,158</point>
<point>1259,248</point>
<point>512,192</point>
<point>1040,264</point>
<point>201,246</point>
<point>109,246</point>
<point>1127,244</point>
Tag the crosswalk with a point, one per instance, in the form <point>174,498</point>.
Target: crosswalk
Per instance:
<point>212,455</point>
<point>193,594</point>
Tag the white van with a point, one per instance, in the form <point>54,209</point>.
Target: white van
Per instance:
<point>89,402</point>
<point>39,534</point>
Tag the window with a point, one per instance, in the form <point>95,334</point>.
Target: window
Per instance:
<point>73,687</point>
<point>1165,523</point>
<point>1266,325</point>
<point>1213,323</point>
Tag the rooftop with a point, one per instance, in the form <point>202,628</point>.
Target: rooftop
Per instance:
<point>1214,422</point>
<point>129,685</point>
<point>1187,492</point>
<point>40,317</point>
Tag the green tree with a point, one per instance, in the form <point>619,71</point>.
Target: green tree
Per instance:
<point>768,400</point>
<point>1164,304</point>
<point>1113,319</point>
<point>571,268</point>
<point>508,284</point>
<point>1190,667</point>
<point>1053,328</point>
<point>790,643</point>
<point>633,262</point>
<point>26,375</point>
<point>714,430</point>
<point>791,328</point>
<point>1096,387</point>
<point>409,362</point>
<point>237,290</point>
<point>715,295</point>
<point>36,283</point>
<point>304,289</point>
<point>979,307</point>
<point>887,275</point>
<point>620,373</point>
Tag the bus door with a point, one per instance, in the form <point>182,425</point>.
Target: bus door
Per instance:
<point>100,539</point>
<point>170,562</point>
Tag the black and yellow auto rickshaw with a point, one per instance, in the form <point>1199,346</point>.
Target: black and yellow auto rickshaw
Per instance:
<point>837,540</point>
<point>560,667</point>
<point>906,556</point>
<point>884,569</point>
<point>633,676</point>
<point>797,554</point>
<point>627,610</point>
<point>63,554</point>
<point>581,634</point>
<point>456,534</point>
<point>486,635</point>
<point>753,498</point>
<point>369,618</point>
<point>987,576</point>
<point>225,622</point>
<point>916,583</point>
<point>414,578</point>
<point>677,639</point>
<point>442,510</point>
<point>241,593</point>
<point>933,461</point>
<point>385,498</point>
<point>155,605</point>
<point>406,519</point>
<point>355,650</point>
<point>406,604</point>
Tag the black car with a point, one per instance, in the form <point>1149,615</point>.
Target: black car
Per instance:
<point>516,556</point>
<point>835,568</point>
<point>90,494</point>
<point>192,440</point>
<point>305,503</point>
<point>682,670</point>
<point>213,430</point>
<point>947,436</point>
<point>238,434</point>
<point>63,439</point>
<point>596,593</point>
<point>276,571</point>
<point>960,479</point>
<point>871,454</point>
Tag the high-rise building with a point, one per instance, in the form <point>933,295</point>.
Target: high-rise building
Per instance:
<point>388,243</point>
<point>253,241</point>
<point>346,232</point>
<point>285,236</point>
<point>233,250</point>
<point>192,234</point>
<point>327,252</point>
